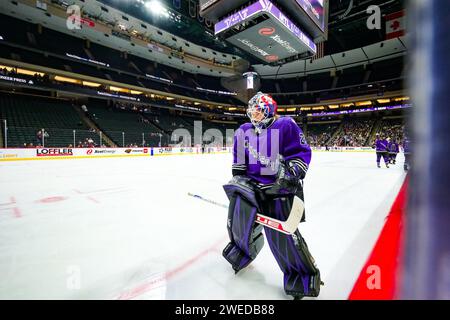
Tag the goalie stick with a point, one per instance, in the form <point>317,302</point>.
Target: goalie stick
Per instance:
<point>288,227</point>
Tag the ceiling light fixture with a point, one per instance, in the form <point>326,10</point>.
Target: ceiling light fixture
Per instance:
<point>156,8</point>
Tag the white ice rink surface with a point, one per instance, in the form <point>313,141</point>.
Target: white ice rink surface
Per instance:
<point>125,228</point>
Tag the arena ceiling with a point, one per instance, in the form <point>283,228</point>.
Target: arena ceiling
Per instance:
<point>347,23</point>
<point>349,42</point>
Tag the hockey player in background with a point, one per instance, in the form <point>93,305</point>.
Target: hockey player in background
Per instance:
<point>393,151</point>
<point>270,161</point>
<point>381,146</point>
<point>407,153</point>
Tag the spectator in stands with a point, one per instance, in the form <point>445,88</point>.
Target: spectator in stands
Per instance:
<point>85,109</point>
<point>38,78</point>
<point>80,144</point>
<point>39,137</point>
<point>90,143</point>
<point>354,133</point>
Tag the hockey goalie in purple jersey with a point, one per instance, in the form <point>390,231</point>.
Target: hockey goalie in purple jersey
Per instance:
<point>270,161</point>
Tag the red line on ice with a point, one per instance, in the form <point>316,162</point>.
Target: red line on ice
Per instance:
<point>12,201</point>
<point>93,199</point>
<point>385,256</point>
<point>145,287</point>
<point>17,212</point>
<point>52,199</point>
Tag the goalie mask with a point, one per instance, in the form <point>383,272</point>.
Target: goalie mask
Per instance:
<point>261,109</point>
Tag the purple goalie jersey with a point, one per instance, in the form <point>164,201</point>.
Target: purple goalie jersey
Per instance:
<point>258,155</point>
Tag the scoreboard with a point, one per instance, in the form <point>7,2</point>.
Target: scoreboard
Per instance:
<point>310,14</point>
<point>274,31</point>
<point>315,10</point>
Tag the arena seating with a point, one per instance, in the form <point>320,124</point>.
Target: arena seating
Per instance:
<point>131,69</point>
<point>113,121</point>
<point>319,134</point>
<point>22,41</point>
<point>354,133</point>
<point>27,115</point>
<point>392,128</point>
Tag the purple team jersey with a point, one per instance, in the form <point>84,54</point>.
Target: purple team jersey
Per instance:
<point>393,147</point>
<point>381,145</point>
<point>259,153</point>
<point>406,146</point>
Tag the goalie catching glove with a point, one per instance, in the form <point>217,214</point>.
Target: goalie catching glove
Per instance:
<point>289,177</point>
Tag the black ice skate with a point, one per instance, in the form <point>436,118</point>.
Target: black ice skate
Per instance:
<point>299,296</point>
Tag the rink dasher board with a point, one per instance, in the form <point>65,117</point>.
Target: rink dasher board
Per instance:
<point>339,151</point>
<point>19,154</point>
<point>343,149</point>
